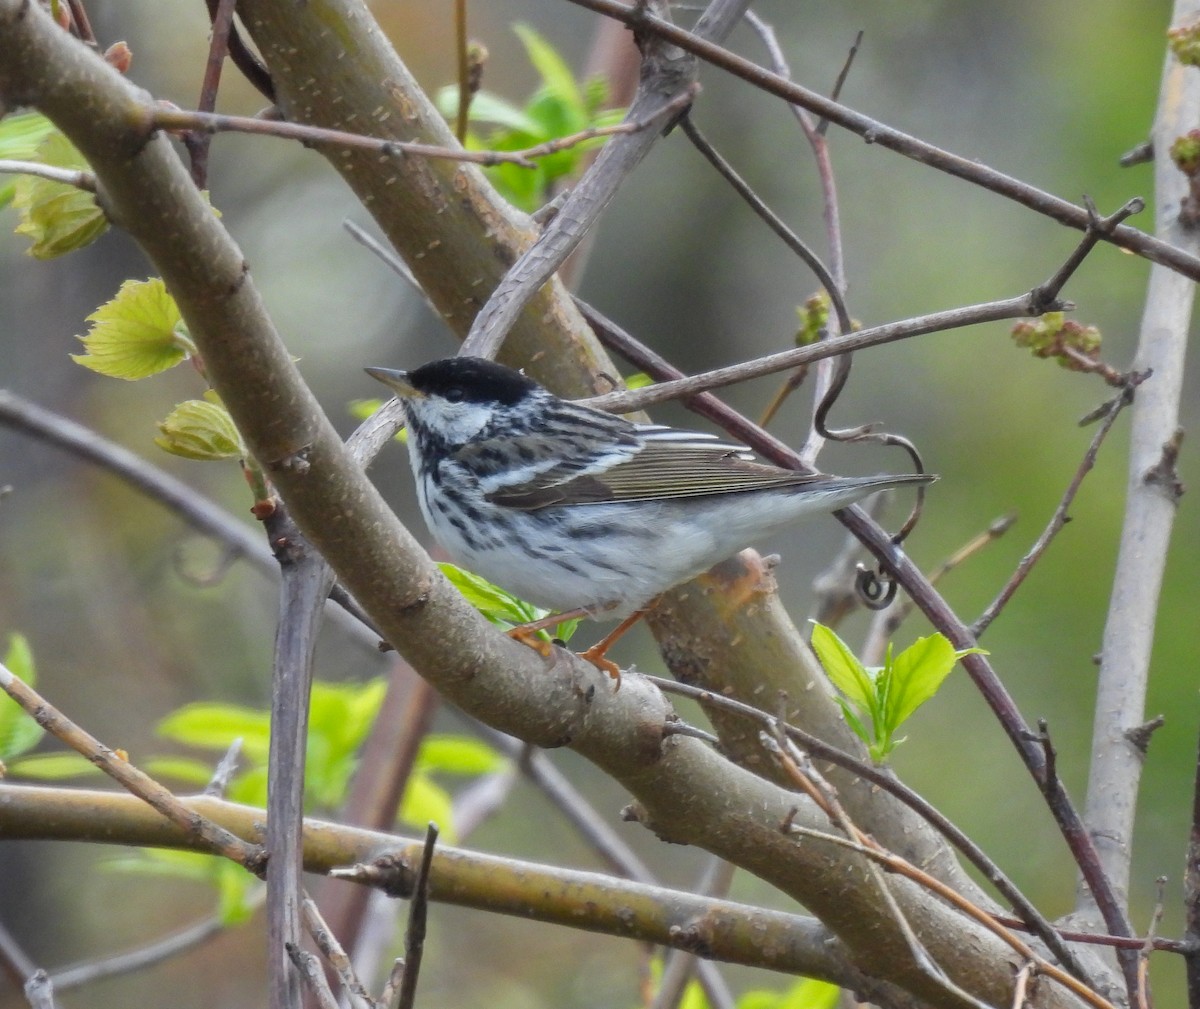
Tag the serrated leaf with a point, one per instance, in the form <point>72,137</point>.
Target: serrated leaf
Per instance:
<point>20,137</point>
<point>458,755</point>
<point>22,134</point>
<point>19,733</point>
<point>137,334</point>
<point>57,217</point>
<point>427,802</point>
<point>53,767</point>
<point>843,668</point>
<point>201,429</point>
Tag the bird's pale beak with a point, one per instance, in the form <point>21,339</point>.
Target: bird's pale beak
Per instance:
<point>395,380</point>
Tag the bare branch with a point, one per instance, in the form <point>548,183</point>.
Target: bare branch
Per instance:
<point>212,837</point>
<point>1116,763</point>
<point>872,132</point>
<point>68,176</point>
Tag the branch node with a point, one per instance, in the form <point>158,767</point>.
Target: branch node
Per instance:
<point>1163,474</point>
<point>1140,735</point>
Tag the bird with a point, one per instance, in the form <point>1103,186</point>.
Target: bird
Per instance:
<point>575,509</point>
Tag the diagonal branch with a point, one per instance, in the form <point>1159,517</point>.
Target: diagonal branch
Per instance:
<point>873,132</point>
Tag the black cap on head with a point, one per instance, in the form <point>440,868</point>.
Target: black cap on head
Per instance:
<point>471,379</point>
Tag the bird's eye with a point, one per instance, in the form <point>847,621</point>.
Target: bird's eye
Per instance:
<point>454,394</point>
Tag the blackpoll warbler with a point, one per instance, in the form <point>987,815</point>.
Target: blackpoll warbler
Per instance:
<point>572,508</point>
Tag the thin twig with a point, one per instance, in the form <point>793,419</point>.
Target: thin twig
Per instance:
<point>801,770</point>
<point>464,70</point>
<point>68,176</point>
<point>771,219</point>
<point>198,511</point>
<point>198,143</point>
<point>15,963</point>
<point>335,956</point>
<point>414,939</point>
<point>1029,914</point>
<point>215,838</point>
<point>935,322</point>
<point>874,132</point>
<point>305,580</point>
<point>897,864</point>
<point>888,621</point>
<point>1059,518</point>
<point>309,968</point>
<point>78,975</point>
<point>207,122</point>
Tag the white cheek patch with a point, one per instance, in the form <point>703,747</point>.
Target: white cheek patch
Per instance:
<point>458,423</point>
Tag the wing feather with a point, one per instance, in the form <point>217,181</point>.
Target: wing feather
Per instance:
<point>668,464</point>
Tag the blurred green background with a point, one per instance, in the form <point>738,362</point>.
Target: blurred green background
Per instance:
<point>1050,92</point>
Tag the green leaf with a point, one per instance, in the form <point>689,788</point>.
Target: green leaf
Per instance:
<point>557,80</point>
<point>238,892</point>
<point>137,334</point>
<point>427,802</point>
<point>201,429</point>
<point>488,108</point>
<point>361,409</point>
<point>53,767</point>
<point>638,380</point>
<point>19,733</point>
<point>853,720</point>
<point>842,667</point>
<point>500,607</point>
<point>20,137</point>
<point>458,755</point>
<point>917,672</point>
<point>215,726</point>
<point>57,217</point>
<point>809,993</point>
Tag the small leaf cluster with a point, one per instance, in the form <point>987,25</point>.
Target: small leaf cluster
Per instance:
<point>57,218</point>
<point>560,107</point>
<point>1185,152</point>
<point>877,701</point>
<point>1073,344</point>
<point>1184,42</point>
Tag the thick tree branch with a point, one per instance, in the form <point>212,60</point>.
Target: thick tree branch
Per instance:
<point>732,932</point>
<point>1151,503</point>
<point>686,792</point>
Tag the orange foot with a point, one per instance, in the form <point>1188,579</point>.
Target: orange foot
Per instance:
<point>595,655</point>
<point>527,634</point>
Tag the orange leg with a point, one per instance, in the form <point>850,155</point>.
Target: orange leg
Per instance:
<point>596,655</point>
<point>527,633</point>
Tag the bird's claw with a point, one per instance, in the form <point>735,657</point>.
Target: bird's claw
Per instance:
<point>595,655</point>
